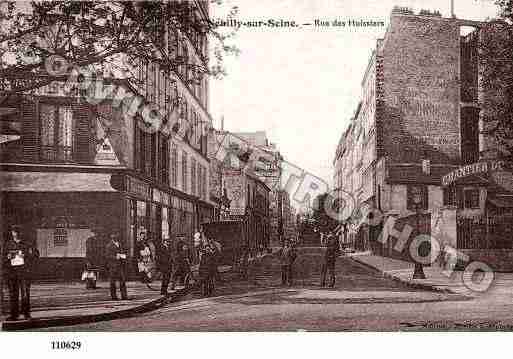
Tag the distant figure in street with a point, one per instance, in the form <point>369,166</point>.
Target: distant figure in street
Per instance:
<point>165,264</point>
<point>207,268</point>
<point>116,261</point>
<point>287,256</point>
<point>330,257</point>
<point>17,260</point>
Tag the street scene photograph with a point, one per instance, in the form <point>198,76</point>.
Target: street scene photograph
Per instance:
<point>255,166</point>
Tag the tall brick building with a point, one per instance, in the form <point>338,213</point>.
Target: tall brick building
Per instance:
<point>418,121</point>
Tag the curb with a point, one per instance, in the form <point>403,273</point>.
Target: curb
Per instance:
<point>92,318</point>
<point>407,283</point>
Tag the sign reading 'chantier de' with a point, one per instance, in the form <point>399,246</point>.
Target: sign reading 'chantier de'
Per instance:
<point>472,169</point>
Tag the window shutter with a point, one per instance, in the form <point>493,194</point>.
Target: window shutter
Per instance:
<point>30,131</point>
<point>83,138</point>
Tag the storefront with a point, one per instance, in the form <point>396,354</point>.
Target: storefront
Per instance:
<point>58,213</point>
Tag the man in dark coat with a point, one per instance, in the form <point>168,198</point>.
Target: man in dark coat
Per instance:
<point>165,264</point>
<point>207,269</point>
<point>182,264</point>
<point>116,262</point>
<point>17,259</point>
<point>330,257</point>
<point>287,256</point>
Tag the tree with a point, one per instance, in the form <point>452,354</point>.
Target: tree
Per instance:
<point>110,37</point>
<point>506,7</point>
<point>496,80</point>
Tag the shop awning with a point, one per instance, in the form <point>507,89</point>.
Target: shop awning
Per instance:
<point>55,182</point>
<point>502,202</point>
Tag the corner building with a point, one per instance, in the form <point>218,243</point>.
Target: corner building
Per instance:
<point>418,120</point>
<point>70,168</point>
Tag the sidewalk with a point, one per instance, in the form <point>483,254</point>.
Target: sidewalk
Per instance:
<point>70,303</point>
<point>402,271</point>
<point>59,304</point>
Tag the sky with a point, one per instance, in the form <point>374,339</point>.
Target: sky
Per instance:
<point>302,85</point>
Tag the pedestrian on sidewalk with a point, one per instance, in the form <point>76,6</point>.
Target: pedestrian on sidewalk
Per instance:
<point>287,257</point>
<point>217,259</point>
<point>143,257</point>
<point>330,257</point>
<point>182,272</point>
<point>17,260</point>
<point>165,264</point>
<point>116,261</point>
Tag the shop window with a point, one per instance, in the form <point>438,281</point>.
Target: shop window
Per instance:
<point>423,190</point>
<point>60,235</point>
<point>471,198</point>
<point>56,132</point>
<point>142,217</point>
<point>165,223</point>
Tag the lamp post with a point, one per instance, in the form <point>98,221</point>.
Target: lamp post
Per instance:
<point>418,272</point>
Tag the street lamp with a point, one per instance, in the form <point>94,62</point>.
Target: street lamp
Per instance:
<point>418,272</point>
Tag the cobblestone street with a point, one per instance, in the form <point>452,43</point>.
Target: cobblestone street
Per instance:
<point>361,300</point>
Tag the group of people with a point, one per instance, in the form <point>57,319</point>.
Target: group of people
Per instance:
<point>288,254</point>
<point>172,261</point>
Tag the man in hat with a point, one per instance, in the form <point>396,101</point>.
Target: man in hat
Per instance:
<point>330,257</point>
<point>287,257</point>
<point>165,263</point>
<point>17,259</point>
<point>116,261</point>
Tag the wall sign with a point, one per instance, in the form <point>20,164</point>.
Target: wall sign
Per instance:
<point>472,169</point>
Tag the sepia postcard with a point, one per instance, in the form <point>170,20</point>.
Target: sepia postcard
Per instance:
<point>255,166</point>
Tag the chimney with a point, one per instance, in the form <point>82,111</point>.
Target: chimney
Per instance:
<point>222,122</point>
<point>452,9</point>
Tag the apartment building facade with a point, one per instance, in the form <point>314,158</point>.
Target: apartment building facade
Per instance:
<point>79,167</point>
<point>418,120</point>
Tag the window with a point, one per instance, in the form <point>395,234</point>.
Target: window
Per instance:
<point>184,172</point>
<point>152,165</point>
<point>174,166</point>
<point>145,154</point>
<point>410,197</point>
<point>193,176</point>
<point>56,132</point>
<point>200,181</point>
<point>164,159</point>
<point>151,82</point>
<point>450,196</point>
<point>471,198</point>
<point>184,62</point>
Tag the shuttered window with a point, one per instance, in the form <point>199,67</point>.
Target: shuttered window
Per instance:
<point>56,133</point>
